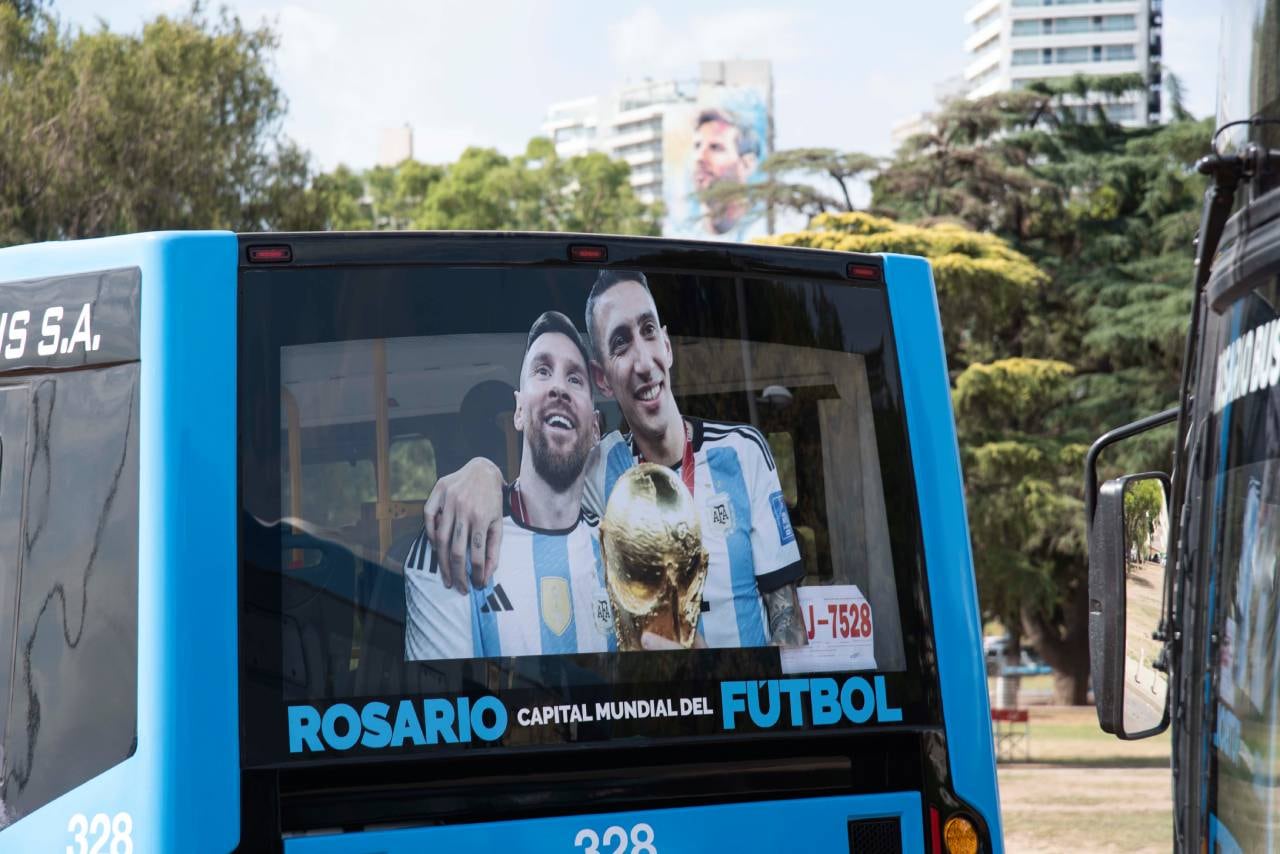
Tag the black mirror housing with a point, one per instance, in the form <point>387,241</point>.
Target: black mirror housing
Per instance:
<point>1108,607</point>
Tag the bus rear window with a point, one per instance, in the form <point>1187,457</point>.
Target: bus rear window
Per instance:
<point>700,486</point>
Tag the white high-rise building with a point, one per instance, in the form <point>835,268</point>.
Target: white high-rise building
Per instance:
<point>1014,42</point>
<point>628,122</point>
<point>395,145</point>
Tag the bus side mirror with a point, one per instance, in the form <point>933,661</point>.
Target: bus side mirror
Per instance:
<point>1128,553</point>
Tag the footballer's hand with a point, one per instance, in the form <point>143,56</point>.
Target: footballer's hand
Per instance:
<point>786,626</point>
<point>651,641</point>
<point>463,518</point>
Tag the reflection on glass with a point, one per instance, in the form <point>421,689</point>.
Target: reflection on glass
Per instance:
<point>1146,539</point>
<point>1247,735</point>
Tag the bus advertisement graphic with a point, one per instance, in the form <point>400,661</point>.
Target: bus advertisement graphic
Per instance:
<point>666,556</point>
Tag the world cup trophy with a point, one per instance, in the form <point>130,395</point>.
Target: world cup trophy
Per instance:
<point>654,562</point>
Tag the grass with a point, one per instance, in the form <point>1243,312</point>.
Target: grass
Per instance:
<point>1084,790</point>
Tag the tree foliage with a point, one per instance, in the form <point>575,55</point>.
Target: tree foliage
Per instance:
<point>808,181</point>
<point>1143,501</point>
<point>175,127</point>
<point>1061,243</point>
<point>1108,213</point>
<point>485,189</point>
<point>984,286</point>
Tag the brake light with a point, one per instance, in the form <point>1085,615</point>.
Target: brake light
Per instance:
<point>270,254</point>
<point>866,272</point>
<point>588,252</point>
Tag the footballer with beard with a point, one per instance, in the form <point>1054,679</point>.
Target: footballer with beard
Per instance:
<point>754,564</point>
<point>546,595</point>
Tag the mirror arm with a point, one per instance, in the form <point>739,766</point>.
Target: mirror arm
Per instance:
<point>1107,439</point>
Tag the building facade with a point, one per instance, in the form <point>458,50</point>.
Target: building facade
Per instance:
<point>395,145</point>
<point>1014,42</point>
<point>652,127</point>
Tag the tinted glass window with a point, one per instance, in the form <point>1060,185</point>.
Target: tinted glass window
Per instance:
<point>362,387</point>
<point>1239,546</point>
<point>72,709</point>
<point>68,534</point>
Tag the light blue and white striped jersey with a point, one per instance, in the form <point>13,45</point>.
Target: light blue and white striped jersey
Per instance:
<point>547,597</point>
<point>746,529</point>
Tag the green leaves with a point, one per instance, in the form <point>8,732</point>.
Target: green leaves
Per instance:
<point>984,285</point>
<point>177,127</point>
<point>1011,396</point>
<point>794,180</point>
<point>485,189</point>
<point>1105,216</point>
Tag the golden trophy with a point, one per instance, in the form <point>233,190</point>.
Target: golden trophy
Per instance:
<point>654,562</point>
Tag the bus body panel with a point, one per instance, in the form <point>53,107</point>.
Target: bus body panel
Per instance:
<point>917,329</point>
<point>803,824</point>
<point>180,788</point>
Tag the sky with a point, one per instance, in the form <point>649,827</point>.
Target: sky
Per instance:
<point>482,72</point>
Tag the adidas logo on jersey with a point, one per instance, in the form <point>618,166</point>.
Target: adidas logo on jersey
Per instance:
<point>496,601</point>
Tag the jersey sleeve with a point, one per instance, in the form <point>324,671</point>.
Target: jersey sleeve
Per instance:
<point>438,623</point>
<point>610,457</point>
<point>773,541</point>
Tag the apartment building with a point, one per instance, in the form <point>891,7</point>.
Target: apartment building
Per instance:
<point>1014,42</point>
<point>628,123</point>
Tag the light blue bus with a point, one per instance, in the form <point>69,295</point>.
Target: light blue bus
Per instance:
<point>229,603</point>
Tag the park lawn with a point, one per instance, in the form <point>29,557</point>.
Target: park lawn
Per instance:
<point>1084,790</point>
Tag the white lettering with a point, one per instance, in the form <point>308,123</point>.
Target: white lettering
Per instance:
<point>50,330</point>
<point>17,334</point>
<point>1261,352</point>
<point>82,334</point>
<point>1273,367</point>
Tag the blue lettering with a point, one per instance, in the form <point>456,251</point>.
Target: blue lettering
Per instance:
<point>464,719</point>
<point>732,701</point>
<point>304,727</point>
<point>885,713</point>
<point>407,725</point>
<point>858,714</point>
<point>826,701</point>
<point>489,732</point>
<point>795,689</point>
<point>329,726</point>
<point>760,717</point>
<point>377,732</point>
<point>439,717</point>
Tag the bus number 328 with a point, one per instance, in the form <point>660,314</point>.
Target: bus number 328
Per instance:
<point>615,840</point>
<point>102,834</point>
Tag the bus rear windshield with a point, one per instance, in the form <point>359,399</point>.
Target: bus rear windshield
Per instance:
<point>694,489</point>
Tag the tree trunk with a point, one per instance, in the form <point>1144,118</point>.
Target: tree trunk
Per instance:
<point>1064,645</point>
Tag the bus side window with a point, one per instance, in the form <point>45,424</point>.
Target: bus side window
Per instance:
<point>14,412</point>
<point>69,523</point>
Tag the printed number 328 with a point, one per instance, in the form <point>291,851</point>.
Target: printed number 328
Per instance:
<point>615,840</point>
<point>102,834</point>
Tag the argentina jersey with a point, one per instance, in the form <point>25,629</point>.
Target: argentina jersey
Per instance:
<point>746,529</point>
<point>546,597</point>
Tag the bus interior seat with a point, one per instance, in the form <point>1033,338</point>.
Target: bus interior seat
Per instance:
<point>486,429</point>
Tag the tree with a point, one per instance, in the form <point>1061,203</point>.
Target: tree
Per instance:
<point>177,127</point>
<point>1108,214</point>
<point>485,189</point>
<point>1022,461</point>
<point>1021,450</point>
<point>983,285</point>
<point>1143,501</point>
<point>793,180</point>
<point>538,191</point>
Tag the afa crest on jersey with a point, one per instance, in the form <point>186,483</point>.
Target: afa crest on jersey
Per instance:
<point>557,608</point>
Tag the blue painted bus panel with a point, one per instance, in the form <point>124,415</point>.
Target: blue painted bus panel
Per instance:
<point>187,719</point>
<point>935,456</point>
<point>804,824</point>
